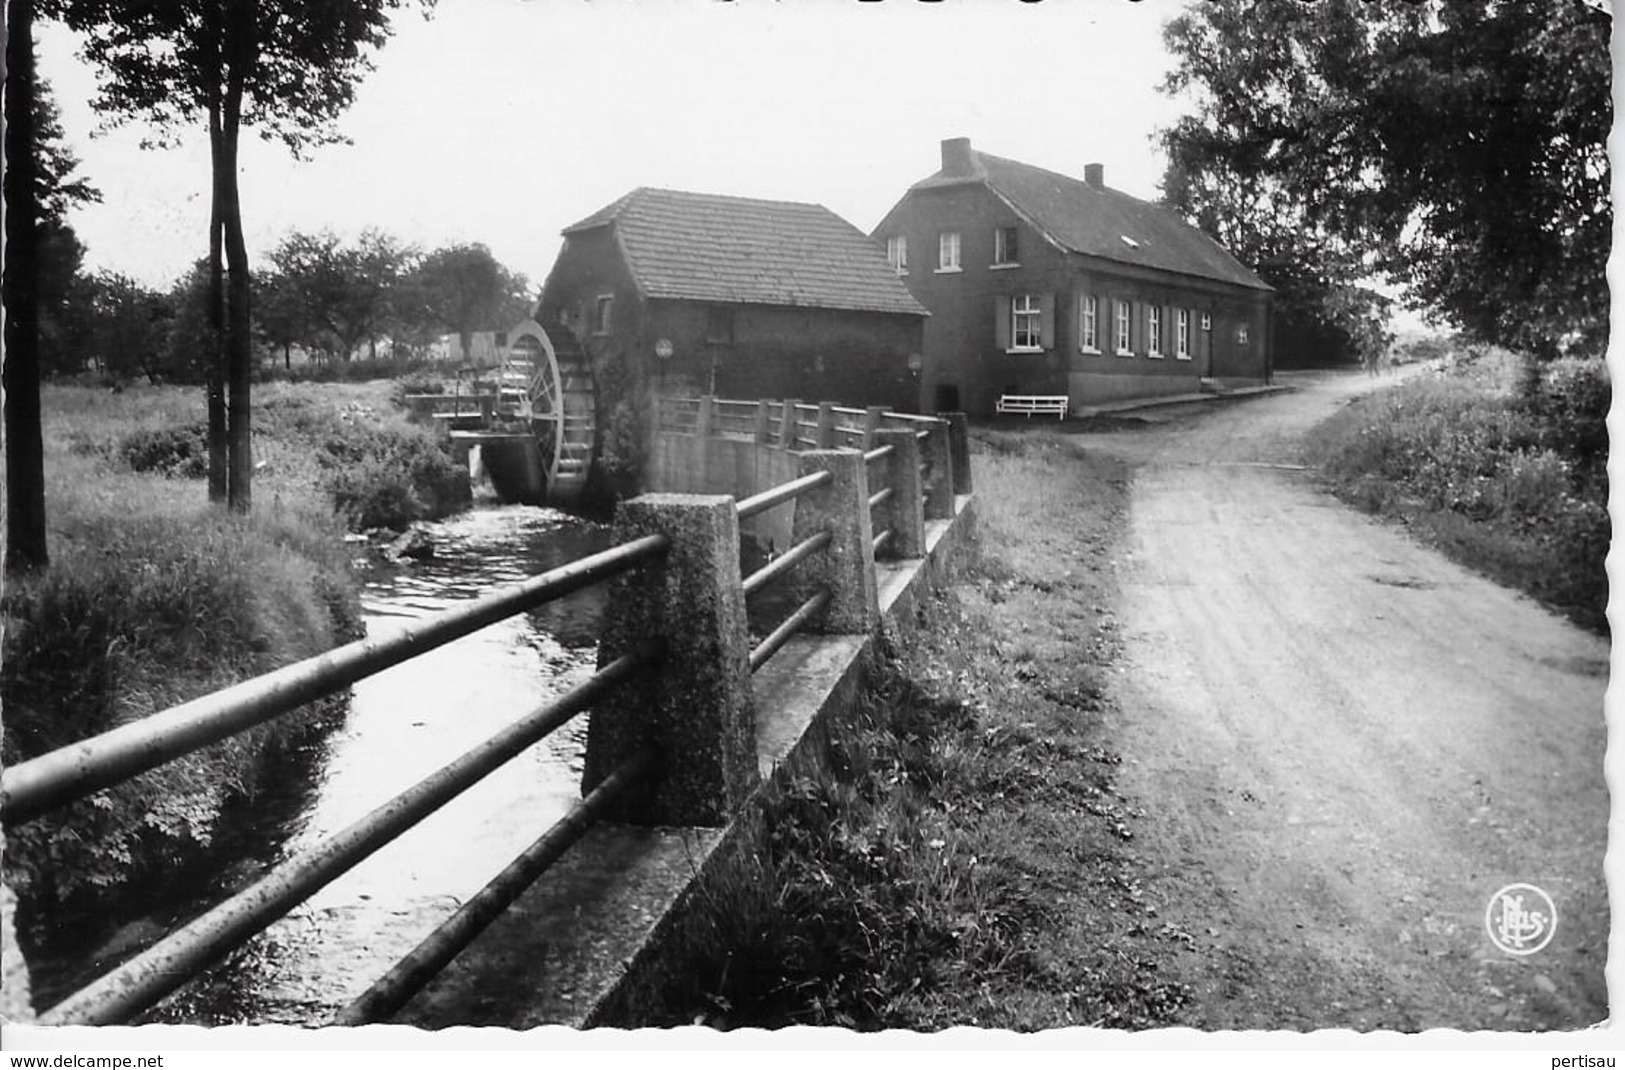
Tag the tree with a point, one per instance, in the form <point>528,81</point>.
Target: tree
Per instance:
<point>1458,148</point>
<point>60,253</point>
<point>25,448</point>
<point>279,314</point>
<point>41,256</point>
<point>285,67</point>
<point>339,296</point>
<point>127,326</point>
<point>463,289</point>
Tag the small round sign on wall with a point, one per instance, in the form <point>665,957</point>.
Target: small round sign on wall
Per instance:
<point>1520,919</point>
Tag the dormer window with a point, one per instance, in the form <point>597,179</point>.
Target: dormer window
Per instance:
<point>897,253</point>
<point>1130,242</point>
<point>1004,247</point>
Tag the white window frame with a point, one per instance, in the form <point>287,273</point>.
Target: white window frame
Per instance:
<point>1182,334</point>
<point>1026,318</point>
<point>948,246</point>
<point>603,310</point>
<point>1001,250</point>
<point>1123,328</point>
<point>1207,321</point>
<point>1089,323</point>
<point>1242,335</point>
<point>897,253</point>
<point>1153,330</point>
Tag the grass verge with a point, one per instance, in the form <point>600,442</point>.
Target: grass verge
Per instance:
<point>960,854</point>
<point>154,597</point>
<point>1499,465</point>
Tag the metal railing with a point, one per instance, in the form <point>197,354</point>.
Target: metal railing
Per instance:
<point>34,787</point>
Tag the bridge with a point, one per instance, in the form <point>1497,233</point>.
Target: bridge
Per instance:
<point>690,715</point>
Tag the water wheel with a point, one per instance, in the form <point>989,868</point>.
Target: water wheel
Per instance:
<point>547,389</point>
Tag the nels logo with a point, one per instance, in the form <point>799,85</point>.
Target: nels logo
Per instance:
<point>1520,919</point>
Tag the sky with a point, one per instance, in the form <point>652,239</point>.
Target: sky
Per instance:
<point>504,121</point>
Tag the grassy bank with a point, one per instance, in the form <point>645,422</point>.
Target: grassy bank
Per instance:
<point>1502,469</point>
<point>960,855</point>
<point>345,446</point>
<point>153,597</point>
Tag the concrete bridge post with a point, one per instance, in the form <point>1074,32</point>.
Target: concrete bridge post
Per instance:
<point>826,425</point>
<point>904,510</point>
<point>763,414</point>
<point>787,425</point>
<point>959,449</point>
<point>873,416</point>
<point>704,418</point>
<point>937,455</point>
<point>846,567</point>
<point>695,705</point>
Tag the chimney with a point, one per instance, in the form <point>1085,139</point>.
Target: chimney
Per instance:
<point>1094,175</point>
<point>957,161</point>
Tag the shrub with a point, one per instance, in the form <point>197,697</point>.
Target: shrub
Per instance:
<point>1525,471</point>
<point>181,452</point>
<point>387,477</point>
<point>142,609</point>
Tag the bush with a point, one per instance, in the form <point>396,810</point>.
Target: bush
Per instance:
<point>1524,471</point>
<point>1571,402</point>
<point>179,452</point>
<point>387,477</point>
<point>349,371</point>
<point>140,610</point>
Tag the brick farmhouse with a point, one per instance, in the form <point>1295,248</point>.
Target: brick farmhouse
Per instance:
<point>1039,283</point>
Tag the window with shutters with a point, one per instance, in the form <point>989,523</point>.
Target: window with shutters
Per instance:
<point>1089,323</point>
<point>1026,323</point>
<point>1124,338</point>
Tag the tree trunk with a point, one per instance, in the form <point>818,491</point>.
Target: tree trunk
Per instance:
<point>241,32</point>
<point>24,443</point>
<point>216,385</point>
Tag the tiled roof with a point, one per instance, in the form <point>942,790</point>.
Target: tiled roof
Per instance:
<point>1083,219</point>
<point>704,247</point>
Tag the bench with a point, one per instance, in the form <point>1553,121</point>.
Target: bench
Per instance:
<point>1029,404</point>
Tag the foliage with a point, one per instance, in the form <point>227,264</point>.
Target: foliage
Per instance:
<point>359,370</point>
<point>1513,484</point>
<point>59,189</point>
<point>1458,148</point>
<point>389,477</point>
<point>463,288</point>
<point>285,67</point>
<point>332,297</point>
<point>180,452</point>
<point>123,327</point>
<point>147,605</point>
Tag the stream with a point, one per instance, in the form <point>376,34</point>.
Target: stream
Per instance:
<point>403,724</point>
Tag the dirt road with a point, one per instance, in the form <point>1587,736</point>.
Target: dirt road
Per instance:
<point>1345,745</point>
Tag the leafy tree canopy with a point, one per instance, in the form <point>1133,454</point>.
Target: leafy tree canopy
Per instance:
<point>463,289</point>
<point>163,60</point>
<point>1456,146</point>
